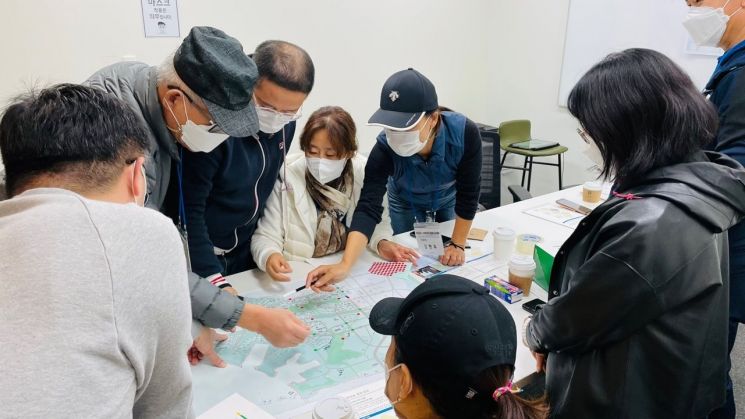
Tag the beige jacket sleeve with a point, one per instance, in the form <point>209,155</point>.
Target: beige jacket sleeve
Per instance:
<point>269,236</point>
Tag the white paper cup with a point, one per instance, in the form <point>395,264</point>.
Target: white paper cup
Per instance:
<point>504,243</point>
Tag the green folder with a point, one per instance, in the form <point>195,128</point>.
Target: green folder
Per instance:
<point>543,264</point>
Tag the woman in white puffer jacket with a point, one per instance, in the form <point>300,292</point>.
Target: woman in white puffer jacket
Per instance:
<point>311,206</point>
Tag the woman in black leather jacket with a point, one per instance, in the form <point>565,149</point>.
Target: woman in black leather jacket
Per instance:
<point>636,323</point>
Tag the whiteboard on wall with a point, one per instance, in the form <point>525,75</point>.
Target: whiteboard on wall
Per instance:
<point>597,28</point>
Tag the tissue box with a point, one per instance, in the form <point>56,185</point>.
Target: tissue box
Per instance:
<point>503,289</point>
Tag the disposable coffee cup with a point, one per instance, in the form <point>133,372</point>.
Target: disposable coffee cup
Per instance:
<point>336,408</point>
<point>521,272</point>
<point>504,243</point>
<point>591,192</point>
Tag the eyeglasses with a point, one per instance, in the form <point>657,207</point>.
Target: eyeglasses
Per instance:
<point>215,129</point>
<point>292,116</point>
<point>583,135</point>
<point>289,116</point>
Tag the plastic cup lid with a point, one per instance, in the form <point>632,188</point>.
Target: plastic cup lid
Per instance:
<point>522,262</point>
<point>504,233</point>
<point>335,408</point>
<point>595,186</point>
<point>530,238</point>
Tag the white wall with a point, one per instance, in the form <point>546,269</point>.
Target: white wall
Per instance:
<point>493,60</point>
<point>355,45</point>
<point>525,74</point>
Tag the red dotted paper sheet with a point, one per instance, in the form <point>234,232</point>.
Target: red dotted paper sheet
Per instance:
<point>387,268</point>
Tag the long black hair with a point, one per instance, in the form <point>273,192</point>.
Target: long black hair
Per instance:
<point>643,112</point>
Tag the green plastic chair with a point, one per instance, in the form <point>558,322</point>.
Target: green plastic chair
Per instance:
<point>511,132</point>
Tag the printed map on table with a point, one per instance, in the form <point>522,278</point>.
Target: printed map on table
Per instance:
<point>342,350</point>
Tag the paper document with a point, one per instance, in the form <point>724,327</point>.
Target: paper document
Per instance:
<point>370,402</point>
<point>479,269</point>
<point>554,213</point>
<point>235,407</point>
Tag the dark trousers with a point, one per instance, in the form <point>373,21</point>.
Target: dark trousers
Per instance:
<point>238,260</point>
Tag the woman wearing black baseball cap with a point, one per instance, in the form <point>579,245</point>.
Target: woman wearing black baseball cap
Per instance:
<point>452,353</point>
<point>427,159</point>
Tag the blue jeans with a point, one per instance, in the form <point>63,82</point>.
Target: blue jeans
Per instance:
<point>402,216</point>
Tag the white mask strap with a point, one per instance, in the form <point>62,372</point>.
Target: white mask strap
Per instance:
<point>733,14</point>
<point>174,114</point>
<point>134,174</point>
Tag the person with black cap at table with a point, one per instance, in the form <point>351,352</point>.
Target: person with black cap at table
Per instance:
<point>196,99</point>
<point>428,159</point>
<point>452,353</point>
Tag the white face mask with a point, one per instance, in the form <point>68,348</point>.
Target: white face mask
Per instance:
<point>271,121</point>
<point>144,182</point>
<point>593,153</point>
<point>197,138</point>
<point>591,149</point>
<point>325,170</point>
<point>707,25</point>
<point>405,143</point>
<point>387,378</point>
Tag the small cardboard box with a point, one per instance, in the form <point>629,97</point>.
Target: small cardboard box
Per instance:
<point>503,289</point>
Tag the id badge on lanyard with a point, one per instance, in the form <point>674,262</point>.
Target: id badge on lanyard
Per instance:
<point>427,233</point>
<point>185,242</point>
<point>182,212</point>
<point>428,238</point>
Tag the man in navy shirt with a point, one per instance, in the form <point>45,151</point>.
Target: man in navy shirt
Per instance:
<point>224,191</point>
<point>721,23</point>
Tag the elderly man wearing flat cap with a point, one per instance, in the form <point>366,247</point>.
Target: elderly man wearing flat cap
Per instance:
<point>196,99</point>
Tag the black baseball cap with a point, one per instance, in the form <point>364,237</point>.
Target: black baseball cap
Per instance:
<point>448,328</point>
<point>405,98</point>
<point>215,67</point>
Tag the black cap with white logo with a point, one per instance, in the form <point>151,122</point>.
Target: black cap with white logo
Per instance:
<point>405,98</point>
<point>448,328</point>
<point>215,67</point>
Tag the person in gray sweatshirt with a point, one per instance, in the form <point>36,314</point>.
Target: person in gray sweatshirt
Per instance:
<point>95,311</point>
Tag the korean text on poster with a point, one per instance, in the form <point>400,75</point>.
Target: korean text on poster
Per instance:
<point>160,18</point>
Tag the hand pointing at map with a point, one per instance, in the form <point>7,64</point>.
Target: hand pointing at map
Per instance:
<point>280,327</point>
<point>323,277</point>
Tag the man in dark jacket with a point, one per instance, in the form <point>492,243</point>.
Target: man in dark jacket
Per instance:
<point>224,191</point>
<point>726,89</point>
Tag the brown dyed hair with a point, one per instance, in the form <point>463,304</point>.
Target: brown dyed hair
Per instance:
<point>339,125</point>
